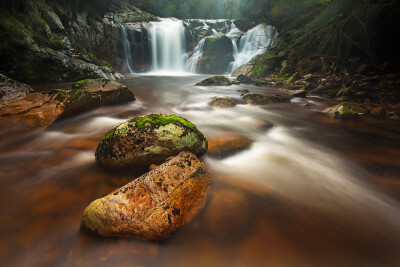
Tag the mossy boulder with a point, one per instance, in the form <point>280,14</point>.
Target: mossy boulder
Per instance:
<point>154,205</point>
<point>149,139</point>
<point>41,109</point>
<point>215,80</point>
<point>346,110</point>
<point>350,110</point>
<point>218,53</point>
<point>256,99</point>
<point>244,25</point>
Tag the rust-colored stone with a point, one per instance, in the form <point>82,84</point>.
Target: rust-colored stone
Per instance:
<point>154,205</point>
<point>226,146</point>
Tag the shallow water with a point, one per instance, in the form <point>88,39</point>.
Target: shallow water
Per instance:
<point>310,191</point>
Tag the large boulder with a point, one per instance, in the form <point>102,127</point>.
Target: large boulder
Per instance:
<point>218,53</point>
<point>244,24</point>
<point>11,90</point>
<point>42,109</point>
<point>149,139</point>
<point>154,205</point>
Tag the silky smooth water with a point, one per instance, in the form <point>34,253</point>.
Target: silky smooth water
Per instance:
<point>167,41</point>
<point>310,191</point>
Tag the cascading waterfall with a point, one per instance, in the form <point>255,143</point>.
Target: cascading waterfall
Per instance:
<point>127,48</point>
<point>197,54</point>
<point>167,41</point>
<point>255,42</point>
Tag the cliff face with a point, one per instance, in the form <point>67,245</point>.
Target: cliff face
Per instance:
<point>57,41</point>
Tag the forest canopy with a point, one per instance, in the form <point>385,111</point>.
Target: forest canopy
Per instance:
<point>259,10</point>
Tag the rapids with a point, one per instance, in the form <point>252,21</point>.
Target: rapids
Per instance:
<point>310,191</point>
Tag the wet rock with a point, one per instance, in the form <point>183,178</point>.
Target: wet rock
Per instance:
<point>55,22</point>
<point>149,139</point>
<point>297,93</point>
<point>243,91</point>
<point>44,108</point>
<point>256,99</point>
<point>244,79</point>
<point>377,111</point>
<point>154,205</point>
<point>223,102</point>
<point>11,90</point>
<point>218,53</point>
<point>346,110</point>
<point>244,24</point>
<point>227,146</point>
<point>215,81</point>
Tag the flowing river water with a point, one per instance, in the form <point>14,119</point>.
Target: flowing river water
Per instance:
<point>310,191</point>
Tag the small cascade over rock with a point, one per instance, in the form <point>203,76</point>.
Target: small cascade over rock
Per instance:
<point>255,42</point>
<point>167,42</point>
<point>197,54</point>
<point>126,44</point>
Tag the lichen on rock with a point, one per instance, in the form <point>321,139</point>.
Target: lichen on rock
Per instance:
<point>149,139</point>
<point>154,205</point>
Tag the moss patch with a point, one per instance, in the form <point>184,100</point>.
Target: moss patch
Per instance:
<point>79,84</point>
<point>157,119</point>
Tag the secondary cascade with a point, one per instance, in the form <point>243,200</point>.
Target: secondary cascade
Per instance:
<point>127,48</point>
<point>255,42</point>
<point>167,44</point>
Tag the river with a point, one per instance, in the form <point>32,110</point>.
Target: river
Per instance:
<point>310,191</point>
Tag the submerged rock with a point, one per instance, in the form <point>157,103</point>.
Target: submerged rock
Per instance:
<point>149,139</point>
<point>215,80</point>
<point>227,146</point>
<point>11,90</point>
<point>256,99</point>
<point>41,109</point>
<point>154,205</point>
<point>223,102</point>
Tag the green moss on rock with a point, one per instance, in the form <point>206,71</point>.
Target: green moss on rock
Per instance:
<point>350,110</point>
<point>149,139</point>
<point>79,85</point>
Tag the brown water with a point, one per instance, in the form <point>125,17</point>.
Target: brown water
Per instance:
<point>311,191</point>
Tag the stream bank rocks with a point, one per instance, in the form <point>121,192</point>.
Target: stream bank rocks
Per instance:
<point>11,90</point>
<point>149,139</point>
<point>154,205</point>
<point>256,99</point>
<point>41,109</point>
<point>346,111</point>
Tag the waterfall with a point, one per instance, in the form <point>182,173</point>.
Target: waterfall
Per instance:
<point>167,43</point>
<point>255,42</point>
<point>127,48</point>
<point>197,54</point>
